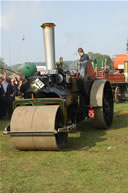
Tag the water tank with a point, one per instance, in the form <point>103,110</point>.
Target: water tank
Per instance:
<point>29,69</point>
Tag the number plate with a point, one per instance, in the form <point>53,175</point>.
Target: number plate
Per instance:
<point>55,71</point>
<point>39,83</point>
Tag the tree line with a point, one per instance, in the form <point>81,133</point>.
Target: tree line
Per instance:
<point>66,64</point>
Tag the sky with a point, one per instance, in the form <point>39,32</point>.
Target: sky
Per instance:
<point>96,26</point>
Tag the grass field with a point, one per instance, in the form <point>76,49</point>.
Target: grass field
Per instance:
<point>86,166</point>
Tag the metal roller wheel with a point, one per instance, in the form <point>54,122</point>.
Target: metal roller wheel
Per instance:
<point>104,110</point>
<point>35,128</point>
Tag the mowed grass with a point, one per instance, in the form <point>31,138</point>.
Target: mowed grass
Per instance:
<point>86,166</point>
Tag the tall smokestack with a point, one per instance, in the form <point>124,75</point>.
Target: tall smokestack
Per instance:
<point>49,45</point>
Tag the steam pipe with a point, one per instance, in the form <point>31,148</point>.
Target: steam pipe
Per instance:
<point>49,45</point>
<point>11,71</point>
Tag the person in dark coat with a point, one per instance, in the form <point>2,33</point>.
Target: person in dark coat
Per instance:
<point>23,89</point>
<point>10,96</point>
<point>16,84</point>
<point>83,56</point>
<point>2,99</point>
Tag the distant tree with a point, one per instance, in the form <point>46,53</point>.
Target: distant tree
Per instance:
<point>1,65</point>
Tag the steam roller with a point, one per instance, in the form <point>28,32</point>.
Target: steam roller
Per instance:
<point>56,100</point>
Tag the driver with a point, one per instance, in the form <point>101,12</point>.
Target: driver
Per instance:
<point>83,56</point>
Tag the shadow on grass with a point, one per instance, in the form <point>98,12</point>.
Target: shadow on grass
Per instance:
<point>87,136</point>
<point>120,120</point>
<point>4,123</point>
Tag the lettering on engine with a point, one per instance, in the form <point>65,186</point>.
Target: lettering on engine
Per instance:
<point>54,71</point>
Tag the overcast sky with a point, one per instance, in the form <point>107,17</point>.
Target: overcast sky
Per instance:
<point>93,25</point>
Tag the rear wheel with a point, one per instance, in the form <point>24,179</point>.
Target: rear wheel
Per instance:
<point>117,95</point>
<point>104,110</point>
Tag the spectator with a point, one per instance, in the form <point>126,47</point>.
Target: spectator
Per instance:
<point>10,96</point>
<point>2,99</point>
<point>23,88</point>
<point>4,83</point>
<point>14,88</point>
<point>16,85</point>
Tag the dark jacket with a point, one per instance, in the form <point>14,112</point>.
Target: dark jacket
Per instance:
<point>84,57</point>
<point>2,102</point>
<point>1,90</point>
<point>10,90</point>
<point>23,89</point>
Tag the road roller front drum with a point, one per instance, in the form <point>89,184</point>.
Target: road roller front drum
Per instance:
<point>36,128</point>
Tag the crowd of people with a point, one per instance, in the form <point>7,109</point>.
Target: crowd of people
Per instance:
<point>9,89</point>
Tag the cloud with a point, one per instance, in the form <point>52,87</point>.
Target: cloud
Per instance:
<point>7,21</point>
<point>15,15</point>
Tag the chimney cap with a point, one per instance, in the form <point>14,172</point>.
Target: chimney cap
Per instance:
<point>48,25</point>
